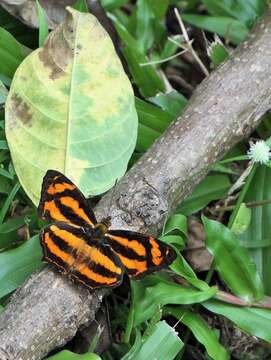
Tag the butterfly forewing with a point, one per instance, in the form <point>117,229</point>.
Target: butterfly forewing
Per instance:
<point>92,263</point>
<point>62,201</point>
<point>140,254</point>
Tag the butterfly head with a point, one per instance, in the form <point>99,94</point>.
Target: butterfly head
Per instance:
<point>103,226</point>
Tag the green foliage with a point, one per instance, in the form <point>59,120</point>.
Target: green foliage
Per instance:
<point>43,26</point>
<point>68,355</point>
<point>12,54</point>
<point>154,292</point>
<point>213,187</point>
<point>217,53</point>
<point>242,220</point>
<point>252,320</point>
<point>231,19</point>
<point>149,34</point>
<point>161,342</point>
<point>233,261</point>
<point>257,237</point>
<point>201,331</point>
<point>81,5</point>
<point>17,264</point>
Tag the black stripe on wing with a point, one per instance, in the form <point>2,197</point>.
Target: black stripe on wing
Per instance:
<point>62,201</point>
<point>140,254</point>
<point>94,265</point>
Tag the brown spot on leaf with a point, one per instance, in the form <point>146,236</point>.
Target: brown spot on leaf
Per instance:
<point>47,60</point>
<point>21,109</point>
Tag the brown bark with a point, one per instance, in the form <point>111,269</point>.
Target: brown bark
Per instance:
<point>225,108</point>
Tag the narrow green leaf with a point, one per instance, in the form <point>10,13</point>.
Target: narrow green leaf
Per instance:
<point>159,8</point>
<point>233,261</point>
<point>182,268</point>
<point>146,137</point>
<point>254,321</point>
<point>174,239</point>
<point>145,25</point>
<point>43,26</point>
<point>213,187</point>
<point>6,174</point>
<point>223,26</point>
<point>152,116</point>
<point>176,222</point>
<point>217,53</point>
<point>172,102</point>
<point>246,12</point>
<point>81,5</point>
<point>110,5</point>
<point>8,230</point>
<point>170,47</point>
<point>200,330</point>
<point>5,185</point>
<point>258,237</point>
<point>151,294</point>
<point>145,77</point>
<point>8,202</point>
<point>135,348</point>
<point>17,264</point>
<point>3,145</point>
<point>12,53</point>
<point>68,355</point>
<point>162,344</point>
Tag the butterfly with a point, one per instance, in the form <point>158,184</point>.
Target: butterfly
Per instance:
<point>86,250</point>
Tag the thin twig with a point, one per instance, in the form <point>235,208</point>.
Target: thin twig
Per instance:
<point>251,204</point>
<point>241,180</point>
<point>265,303</point>
<point>189,44</point>
<point>155,62</point>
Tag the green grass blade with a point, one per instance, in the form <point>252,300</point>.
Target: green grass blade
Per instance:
<point>257,238</point>
<point>254,321</point>
<point>152,293</point>
<point>81,5</point>
<point>233,261</point>
<point>43,26</point>
<point>68,355</point>
<point>162,344</point>
<point>201,331</point>
<point>213,187</point>
<point>8,202</point>
<point>17,264</point>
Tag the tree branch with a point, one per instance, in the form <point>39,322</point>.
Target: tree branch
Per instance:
<point>226,107</point>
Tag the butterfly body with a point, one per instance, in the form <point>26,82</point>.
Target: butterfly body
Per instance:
<point>86,250</point>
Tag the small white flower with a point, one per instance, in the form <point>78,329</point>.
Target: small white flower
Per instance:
<point>259,152</point>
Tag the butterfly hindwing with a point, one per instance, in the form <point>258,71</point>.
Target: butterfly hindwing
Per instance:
<point>93,264</point>
<point>62,201</point>
<point>140,254</point>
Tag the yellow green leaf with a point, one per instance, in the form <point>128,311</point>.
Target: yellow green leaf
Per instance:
<point>71,108</point>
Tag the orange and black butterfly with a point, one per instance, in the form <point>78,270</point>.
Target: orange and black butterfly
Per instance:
<point>86,250</point>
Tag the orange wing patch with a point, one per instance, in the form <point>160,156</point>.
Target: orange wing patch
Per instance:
<point>66,247</point>
<point>140,254</point>
<point>86,250</point>
<point>62,201</point>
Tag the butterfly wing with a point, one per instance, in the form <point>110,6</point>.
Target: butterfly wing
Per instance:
<point>62,201</point>
<point>93,264</point>
<point>140,254</point>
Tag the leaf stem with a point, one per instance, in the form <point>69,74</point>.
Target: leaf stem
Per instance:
<point>251,204</point>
